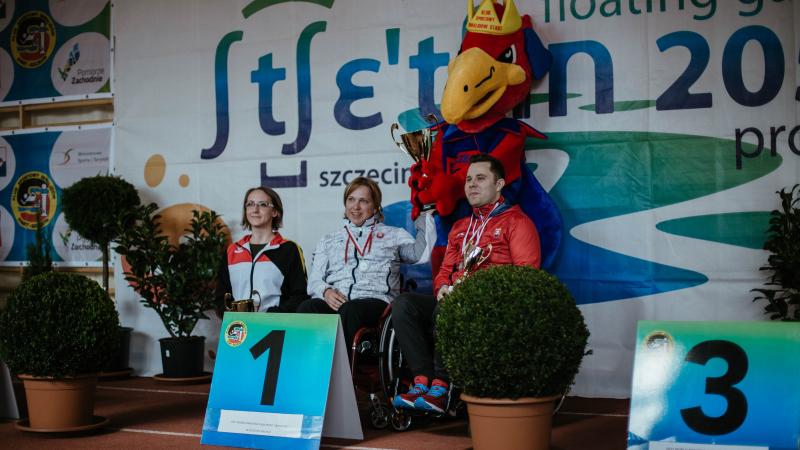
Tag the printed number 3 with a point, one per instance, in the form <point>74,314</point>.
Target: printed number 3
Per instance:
<point>274,343</point>
<point>736,410</point>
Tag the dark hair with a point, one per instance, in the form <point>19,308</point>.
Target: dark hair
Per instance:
<point>274,198</point>
<point>495,166</point>
<point>374,190</point>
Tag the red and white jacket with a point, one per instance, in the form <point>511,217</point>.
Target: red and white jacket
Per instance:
<point>510,232</point>
<point>277,273</point>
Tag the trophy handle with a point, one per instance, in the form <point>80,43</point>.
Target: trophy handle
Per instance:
<point>228,298</point>
<point>392,129</point>
<point>399,145</point>
<point>254,293</point>
<point>484,255</point>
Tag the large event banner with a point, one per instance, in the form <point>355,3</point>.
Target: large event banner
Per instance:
<point>54,49</point>
<point>36,166</point>
<point>670,126</point>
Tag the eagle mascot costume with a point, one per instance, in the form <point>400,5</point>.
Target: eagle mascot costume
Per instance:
<point>500,56</point>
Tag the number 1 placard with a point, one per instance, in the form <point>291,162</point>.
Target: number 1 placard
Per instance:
<point>277,380</point>
<point>8,405</point>
<point>704,385</point>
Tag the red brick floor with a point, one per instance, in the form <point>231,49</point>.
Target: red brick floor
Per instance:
<point>146,414</point>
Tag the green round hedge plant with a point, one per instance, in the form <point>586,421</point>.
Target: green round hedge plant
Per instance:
<point>92,207</point>
<point>58,325</point>
<point>511,332</point>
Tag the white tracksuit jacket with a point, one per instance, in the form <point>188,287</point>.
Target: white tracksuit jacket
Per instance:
<point>368,271</point>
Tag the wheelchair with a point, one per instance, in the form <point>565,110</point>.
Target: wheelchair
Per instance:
<point>378,366</point>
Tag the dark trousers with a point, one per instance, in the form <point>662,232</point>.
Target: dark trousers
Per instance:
<point>356,313</point>
<point>414,321</point>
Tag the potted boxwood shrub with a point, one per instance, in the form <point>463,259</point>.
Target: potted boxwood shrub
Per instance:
<point>513,339</point>
<point>783,243</point>
<point>101,225</point>
<point>56,332</point>
<point>176,281</point>
<point>98,222</point>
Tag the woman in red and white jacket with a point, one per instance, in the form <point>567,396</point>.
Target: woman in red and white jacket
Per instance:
<point>263,262</point>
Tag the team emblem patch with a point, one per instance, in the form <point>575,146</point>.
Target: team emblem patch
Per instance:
<point>33,195</point>
<point>33,39</point>
<point>659,341</point>
<point>235,333</point>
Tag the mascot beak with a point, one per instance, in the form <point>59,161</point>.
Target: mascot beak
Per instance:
<point>475,82</point>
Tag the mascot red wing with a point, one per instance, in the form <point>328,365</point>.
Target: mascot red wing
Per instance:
<point>493,72</point>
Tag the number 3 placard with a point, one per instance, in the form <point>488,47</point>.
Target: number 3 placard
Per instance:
<point>278,379</point>
<point>703,385</point>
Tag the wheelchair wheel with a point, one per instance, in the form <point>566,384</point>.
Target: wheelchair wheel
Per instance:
<point>390,361</point>
<point>379,416</point>
<point>400,420</point>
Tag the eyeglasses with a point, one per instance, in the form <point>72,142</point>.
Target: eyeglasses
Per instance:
<point>261,205</point>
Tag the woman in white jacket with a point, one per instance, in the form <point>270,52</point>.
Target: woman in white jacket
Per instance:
<point>356,268</point>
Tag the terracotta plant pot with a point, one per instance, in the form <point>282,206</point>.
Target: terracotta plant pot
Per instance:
<point>60,404</point>
<point>519,424</point>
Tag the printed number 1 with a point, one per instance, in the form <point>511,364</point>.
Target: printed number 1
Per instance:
<point>274,343</point>
<point>736,410</point>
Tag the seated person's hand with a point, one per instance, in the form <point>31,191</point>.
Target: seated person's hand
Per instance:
<point>443,291</point>
<point>333,298</point>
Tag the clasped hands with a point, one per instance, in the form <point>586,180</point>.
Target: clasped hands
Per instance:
<point>334,298</point>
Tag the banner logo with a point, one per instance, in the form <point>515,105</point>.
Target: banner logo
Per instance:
<point>67,157</point>
<point>236,333</point>
<point>33,39</point>
<point>74,56</point>
<point>33,192</point>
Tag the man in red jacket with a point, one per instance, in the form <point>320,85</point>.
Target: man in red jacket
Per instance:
<point>495,234</point>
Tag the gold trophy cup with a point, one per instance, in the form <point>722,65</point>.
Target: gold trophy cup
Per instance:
<point>246,305</point>
<point>416,144</point>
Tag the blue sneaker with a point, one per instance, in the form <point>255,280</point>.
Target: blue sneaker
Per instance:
<point>407,400</point>
<point>436,398</point>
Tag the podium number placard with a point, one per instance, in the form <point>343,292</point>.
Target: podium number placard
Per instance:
<point>715,385</point>
<point>273,380</point>
<point>8,405</point>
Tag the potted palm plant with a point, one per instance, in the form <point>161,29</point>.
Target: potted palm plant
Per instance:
<point>101,226</point>
<point>56,333</point>
<point>783,243</point>
<point>176,281</point>
<point>513,339</point>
